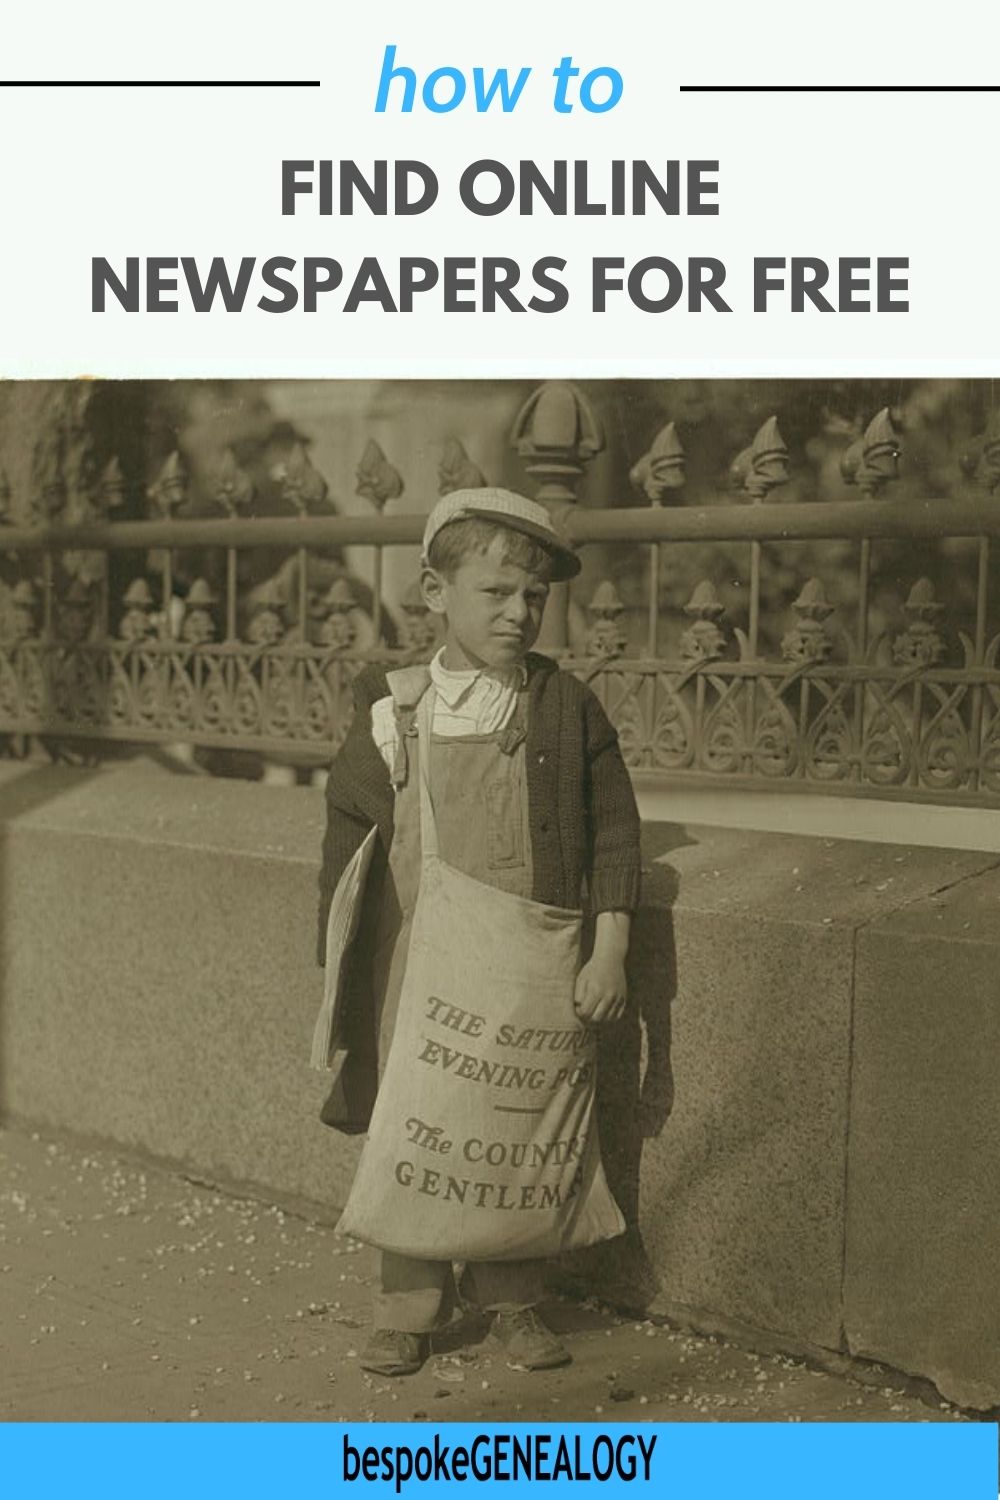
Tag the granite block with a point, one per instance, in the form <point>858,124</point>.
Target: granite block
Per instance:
<point>158,980</point>
<point>923,1216</point>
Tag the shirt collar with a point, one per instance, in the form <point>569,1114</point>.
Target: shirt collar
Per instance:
<point>454,686</point>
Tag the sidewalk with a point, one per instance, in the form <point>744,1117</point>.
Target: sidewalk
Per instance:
<point>129,1293</point>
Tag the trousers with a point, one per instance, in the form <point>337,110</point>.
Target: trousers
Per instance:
<point>416,1296</point>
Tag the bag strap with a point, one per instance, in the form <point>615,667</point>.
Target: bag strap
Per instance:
<point>517,730</point>
<point>408,686</point>
<point>425,726</point>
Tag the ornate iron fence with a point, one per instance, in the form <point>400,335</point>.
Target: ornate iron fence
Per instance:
<point>95,644</point>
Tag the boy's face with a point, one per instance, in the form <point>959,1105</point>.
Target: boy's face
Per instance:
<point>492,608</point>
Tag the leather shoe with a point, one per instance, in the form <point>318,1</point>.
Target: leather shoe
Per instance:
<point>390,1351</point>
<point>527,1342</point>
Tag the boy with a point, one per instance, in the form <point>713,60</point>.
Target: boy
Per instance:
<point>530,796</point>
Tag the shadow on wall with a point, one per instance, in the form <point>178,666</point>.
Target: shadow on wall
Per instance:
<point>635,1093</point>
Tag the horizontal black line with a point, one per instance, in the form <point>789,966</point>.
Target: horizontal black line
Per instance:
<point>512,1109</point>
<point>159,83</point>
<point>839,88</point>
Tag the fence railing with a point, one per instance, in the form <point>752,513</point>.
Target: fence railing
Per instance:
<point>716,684</point>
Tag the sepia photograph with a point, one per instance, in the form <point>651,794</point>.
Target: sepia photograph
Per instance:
<point>499,900</point>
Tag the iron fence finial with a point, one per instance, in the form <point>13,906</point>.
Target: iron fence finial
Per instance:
<point>457,471</point>
<point>300,482</point>
<point>231,485</point>
<point>872,460</point>
<point>763,464</point>
<point>377,479</point>
<point>662,468</point>
<point>981,460</point>
<point>168,490</point>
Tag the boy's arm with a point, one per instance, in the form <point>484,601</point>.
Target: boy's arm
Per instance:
<point>358,794</point>
<point>601,988</point>
<point>614,870</point>
<point>614,865</point>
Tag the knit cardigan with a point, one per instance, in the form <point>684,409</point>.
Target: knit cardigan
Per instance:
<point>582,818</point>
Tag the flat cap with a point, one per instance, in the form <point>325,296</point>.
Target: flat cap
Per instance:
<point>507,508</point>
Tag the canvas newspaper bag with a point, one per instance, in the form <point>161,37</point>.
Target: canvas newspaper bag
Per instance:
<point>483,1141</point>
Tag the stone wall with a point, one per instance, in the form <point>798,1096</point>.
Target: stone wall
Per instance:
<point>821,1017</point>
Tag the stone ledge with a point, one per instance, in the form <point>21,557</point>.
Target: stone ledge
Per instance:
<point>158,983</point>
<point>144,804</point>
<point>159,990</point>
<point>923,1209</point>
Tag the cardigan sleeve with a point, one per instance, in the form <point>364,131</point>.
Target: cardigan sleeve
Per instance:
<point>614,863</point>
<point>358,795</point>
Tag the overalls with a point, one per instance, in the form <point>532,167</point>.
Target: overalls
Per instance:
<point>479,790</point>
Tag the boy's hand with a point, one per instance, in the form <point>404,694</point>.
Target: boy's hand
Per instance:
<point>601,990</point>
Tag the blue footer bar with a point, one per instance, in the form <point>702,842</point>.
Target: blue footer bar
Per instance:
<point>738,1461</point>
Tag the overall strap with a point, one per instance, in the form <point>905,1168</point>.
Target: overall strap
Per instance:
<point>407,686</point>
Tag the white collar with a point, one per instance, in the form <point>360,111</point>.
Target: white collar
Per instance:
<point>454,686</point>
